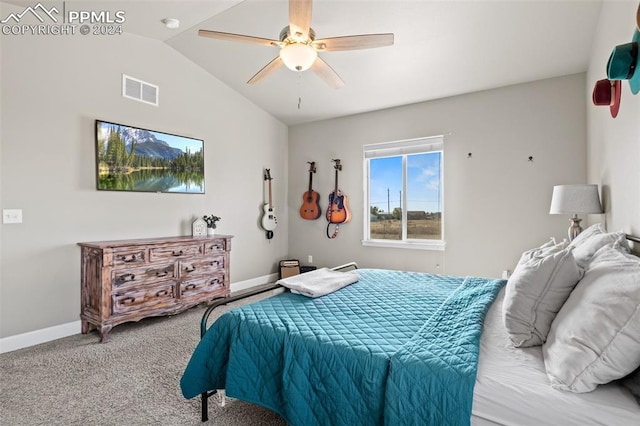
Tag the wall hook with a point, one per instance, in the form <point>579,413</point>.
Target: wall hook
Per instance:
<point>469,155</point>
<point>531,158</point>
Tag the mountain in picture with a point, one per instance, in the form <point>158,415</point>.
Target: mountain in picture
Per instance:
<point>147,144</point>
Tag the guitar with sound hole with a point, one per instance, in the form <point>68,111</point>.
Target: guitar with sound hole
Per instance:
<point>269,221</point>
<point>338,211</point>
<point>310,208</point>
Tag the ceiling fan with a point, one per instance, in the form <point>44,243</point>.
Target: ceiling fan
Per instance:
<point>299,47</point>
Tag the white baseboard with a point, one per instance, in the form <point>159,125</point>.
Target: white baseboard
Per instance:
<point>243,285</point>
<point>32,338</point>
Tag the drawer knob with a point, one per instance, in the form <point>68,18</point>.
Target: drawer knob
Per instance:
<point>128,260</point>
<point>177,253</point>
<point>190,286</point>
<point>162,293</point>
<point>161,274</point>
<point>189,268</point>
<point>128,299</point>
<point>124,278</point>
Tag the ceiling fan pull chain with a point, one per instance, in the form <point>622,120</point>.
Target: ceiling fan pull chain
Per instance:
<point>299,94</point>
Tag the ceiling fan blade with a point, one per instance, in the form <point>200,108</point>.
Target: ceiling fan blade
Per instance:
<point>325,72</point>
<point>267,70</point>
<point>238,37</point>
<point>299,18</point>
<point>354,42</point>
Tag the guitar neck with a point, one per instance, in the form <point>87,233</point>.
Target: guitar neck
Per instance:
<point>270,200</point>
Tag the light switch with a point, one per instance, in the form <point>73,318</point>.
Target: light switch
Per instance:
<point>11,215</point>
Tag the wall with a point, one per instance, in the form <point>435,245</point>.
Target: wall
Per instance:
<point>496,203</point>
<point>614,144</point>
<point>53,88</point>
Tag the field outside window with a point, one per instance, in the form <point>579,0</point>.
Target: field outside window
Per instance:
<point>403,185</point>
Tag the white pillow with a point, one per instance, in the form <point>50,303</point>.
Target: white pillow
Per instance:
<point>584,251</point>
<point>549,247</point>
<point>594,229</point>
<point>595,337</point>
<point>540,284</point>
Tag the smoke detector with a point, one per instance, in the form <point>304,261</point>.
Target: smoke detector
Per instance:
<point>171,23</point>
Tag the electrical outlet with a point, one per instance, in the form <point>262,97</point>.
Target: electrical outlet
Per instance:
<point>11,216</point>
<point>310,259</point>
<point>506,274</point>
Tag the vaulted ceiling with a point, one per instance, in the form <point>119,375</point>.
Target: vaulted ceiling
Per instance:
<point>441,49</point>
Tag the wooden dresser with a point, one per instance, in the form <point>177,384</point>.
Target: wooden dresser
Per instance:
<point>129,280</point>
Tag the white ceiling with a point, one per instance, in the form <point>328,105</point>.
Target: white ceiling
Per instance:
<point>442,48</point>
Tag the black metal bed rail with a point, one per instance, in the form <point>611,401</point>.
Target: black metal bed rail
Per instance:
<point>203,329</point>
<point>239,296</point>
<point>633,238</point>
<point>226,300</point>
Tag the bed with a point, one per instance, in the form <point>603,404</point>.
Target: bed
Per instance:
<point>395,347</point>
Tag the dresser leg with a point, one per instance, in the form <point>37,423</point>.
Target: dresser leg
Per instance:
<point>104,333</point>
<point>86,327</point>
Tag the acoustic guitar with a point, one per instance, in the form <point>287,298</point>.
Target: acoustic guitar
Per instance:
<point>338,211</point>
<point>269,221</point>
<point>310,208</point>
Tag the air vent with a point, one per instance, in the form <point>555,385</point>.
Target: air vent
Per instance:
<point>139,90</point>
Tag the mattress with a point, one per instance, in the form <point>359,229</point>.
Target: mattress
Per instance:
<point>512,388</point>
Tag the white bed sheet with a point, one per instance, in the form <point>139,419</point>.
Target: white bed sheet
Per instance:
<point>512,388</point>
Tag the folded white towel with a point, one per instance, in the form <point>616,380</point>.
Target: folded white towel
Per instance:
<point>319,282</point>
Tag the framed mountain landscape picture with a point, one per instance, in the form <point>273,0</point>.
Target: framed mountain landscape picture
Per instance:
<point>135,159</point>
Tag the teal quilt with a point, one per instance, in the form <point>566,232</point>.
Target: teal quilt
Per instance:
<point>394,348</point>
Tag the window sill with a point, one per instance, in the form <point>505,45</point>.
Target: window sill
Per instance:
<point>415,245</point>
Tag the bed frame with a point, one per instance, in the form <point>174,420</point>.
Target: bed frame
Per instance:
<point>240,296</point>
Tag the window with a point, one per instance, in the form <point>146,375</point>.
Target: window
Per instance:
<point>403,191</point>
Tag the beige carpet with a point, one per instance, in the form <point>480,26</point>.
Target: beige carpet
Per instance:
<point>132,380</point>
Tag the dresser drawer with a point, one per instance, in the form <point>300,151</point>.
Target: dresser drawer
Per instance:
<point>174,252</point>
<point>131,256</point>
<point>141,298</point>
<point>192,268</point>
<point>125,278</point>
<point>199,287</point>
<point>215,247</point>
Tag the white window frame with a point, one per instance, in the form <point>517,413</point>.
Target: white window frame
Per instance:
<point>394,149</point>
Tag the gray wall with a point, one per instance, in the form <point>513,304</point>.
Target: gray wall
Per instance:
<point>53,88</point>
<point>496,203</point>
<point>614,144</point>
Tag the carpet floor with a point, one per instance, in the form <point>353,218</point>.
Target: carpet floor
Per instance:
<point>132,380</point>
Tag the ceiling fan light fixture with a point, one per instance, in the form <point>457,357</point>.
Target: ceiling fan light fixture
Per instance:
<point>298,56</point>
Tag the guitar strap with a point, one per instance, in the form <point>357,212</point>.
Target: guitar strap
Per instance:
<point>335,232</point>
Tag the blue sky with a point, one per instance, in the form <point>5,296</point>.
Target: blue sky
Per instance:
<point>423,182</point>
